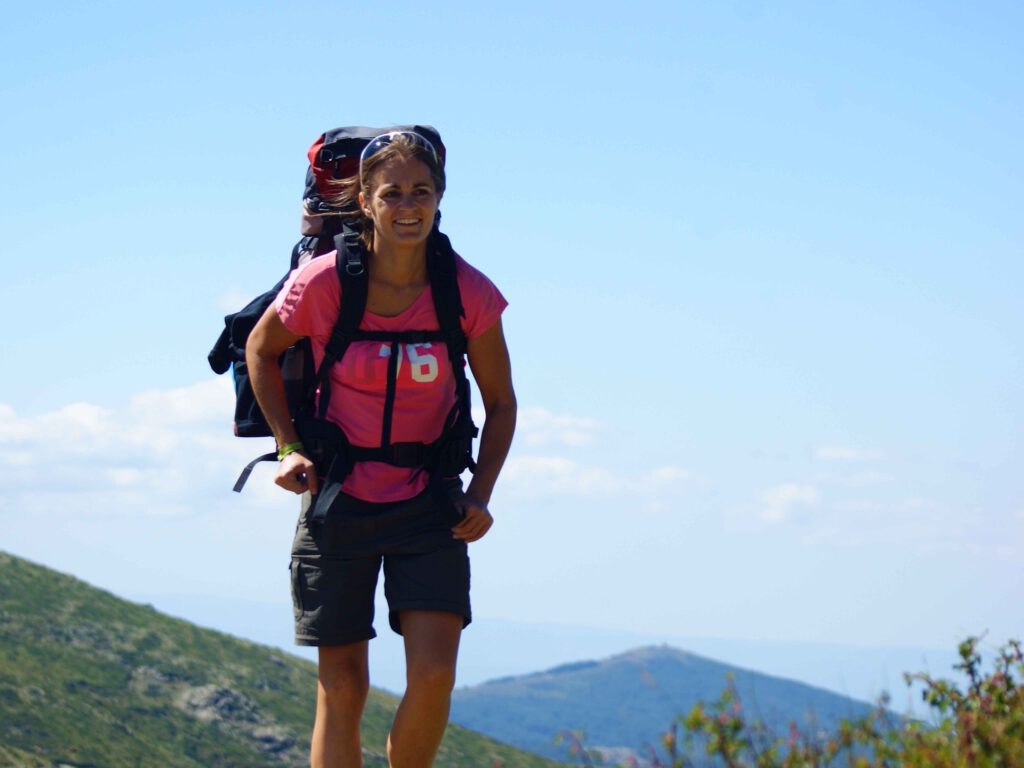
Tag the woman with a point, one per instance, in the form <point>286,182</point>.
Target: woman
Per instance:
<point>385,513</point>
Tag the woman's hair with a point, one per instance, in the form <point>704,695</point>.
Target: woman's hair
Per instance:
<point>343,194</point>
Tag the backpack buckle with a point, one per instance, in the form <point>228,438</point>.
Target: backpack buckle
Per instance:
<point>354,262</point>
<point>354,266</point>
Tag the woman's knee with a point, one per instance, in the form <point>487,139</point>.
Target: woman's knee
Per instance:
<point>435,675</point>
<point>344,674</point>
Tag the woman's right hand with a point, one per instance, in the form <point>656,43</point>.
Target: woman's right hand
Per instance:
<point>297,474</point>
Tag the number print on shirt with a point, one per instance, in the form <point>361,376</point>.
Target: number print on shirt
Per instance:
<point>424,365</point>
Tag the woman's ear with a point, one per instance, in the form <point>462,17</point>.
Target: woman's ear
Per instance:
<point>362,205</point>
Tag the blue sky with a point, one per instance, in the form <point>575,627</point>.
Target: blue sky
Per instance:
<point>763,265</point>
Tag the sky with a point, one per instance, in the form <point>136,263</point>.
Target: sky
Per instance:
<point>763,264</point>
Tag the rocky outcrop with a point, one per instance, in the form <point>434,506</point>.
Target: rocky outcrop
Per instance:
<point>212,703</point>
<point>232,710</point>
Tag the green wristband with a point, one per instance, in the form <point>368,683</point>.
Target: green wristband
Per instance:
<point>284,450</point>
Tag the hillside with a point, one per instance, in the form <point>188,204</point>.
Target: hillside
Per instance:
<point>627,701</point>
<point>89,679</point>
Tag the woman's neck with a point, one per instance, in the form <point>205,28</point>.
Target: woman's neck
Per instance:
<point>399,267</point>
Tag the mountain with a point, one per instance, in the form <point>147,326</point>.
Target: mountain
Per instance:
<point>89,679</point>
<point>626,702</point>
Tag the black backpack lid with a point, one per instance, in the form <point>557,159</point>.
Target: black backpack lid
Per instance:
<point>335,155</point>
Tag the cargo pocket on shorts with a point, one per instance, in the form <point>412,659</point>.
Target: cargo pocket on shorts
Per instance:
<point>295,567</point>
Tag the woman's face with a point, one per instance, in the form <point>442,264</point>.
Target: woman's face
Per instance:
<point>401,202</point>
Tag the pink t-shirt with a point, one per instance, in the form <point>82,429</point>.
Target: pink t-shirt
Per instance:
<point>425,387</point>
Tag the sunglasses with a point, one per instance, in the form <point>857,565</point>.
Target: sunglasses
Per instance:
<point>379,142</point>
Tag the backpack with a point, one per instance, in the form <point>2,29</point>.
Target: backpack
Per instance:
<point>335,155</point>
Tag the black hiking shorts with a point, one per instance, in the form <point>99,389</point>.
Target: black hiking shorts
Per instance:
<point>335,564</point>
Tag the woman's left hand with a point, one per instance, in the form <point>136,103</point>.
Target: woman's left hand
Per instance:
<point>476,519</point>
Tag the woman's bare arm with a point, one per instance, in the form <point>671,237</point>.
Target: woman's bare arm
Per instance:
<point>492,370</point>
<point>268,340</point>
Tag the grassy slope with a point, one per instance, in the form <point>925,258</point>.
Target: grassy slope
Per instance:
<point>87,678</point>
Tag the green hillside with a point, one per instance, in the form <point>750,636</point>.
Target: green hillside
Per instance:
<point>627,701</point>
<point>89,679</point>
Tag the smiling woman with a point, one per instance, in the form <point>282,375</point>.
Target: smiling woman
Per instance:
<point>388,491</point>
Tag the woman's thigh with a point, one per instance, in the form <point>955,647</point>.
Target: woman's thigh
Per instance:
<point>431,643</point>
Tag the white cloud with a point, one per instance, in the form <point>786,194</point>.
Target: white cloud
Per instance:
<point>210,402</point>
<point>233,300</point>
<point>845,453</point>
<point>536,427</point>
<point>172,452</point>
<point>667,475</point>
<point>911,521</point>
<point>541,475</point>
<point>562,470</point>
<point>536,476</point>
<point>782,503</point>
<point>166,453</point>
<point>861,479</point>
<point>901,507</point>
<point>125,476</point>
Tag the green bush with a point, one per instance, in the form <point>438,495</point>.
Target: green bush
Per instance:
<point>976,724</point>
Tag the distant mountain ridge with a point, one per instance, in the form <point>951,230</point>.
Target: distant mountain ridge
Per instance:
<point>88,679</point>
<point>493,648</point>
<point>626,702</point>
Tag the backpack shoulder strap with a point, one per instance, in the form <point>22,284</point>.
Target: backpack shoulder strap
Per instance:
<point>352,274</point>
<point>351,269</point>
<point>444,286</point>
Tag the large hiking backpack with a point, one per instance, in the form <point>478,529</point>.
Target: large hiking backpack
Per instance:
<point>325,228</point>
